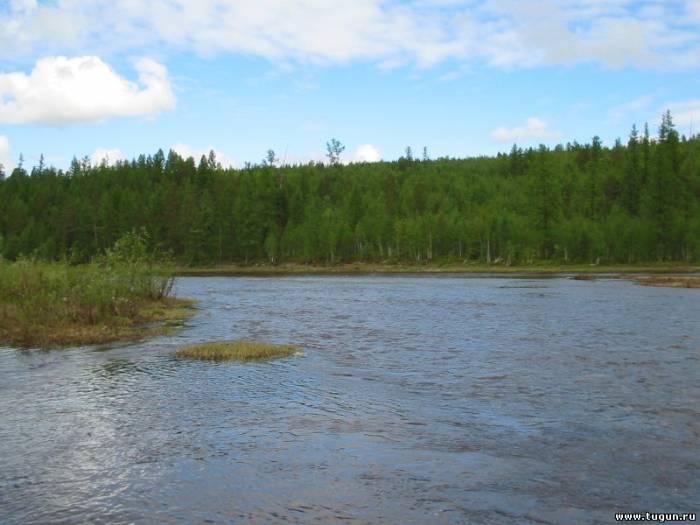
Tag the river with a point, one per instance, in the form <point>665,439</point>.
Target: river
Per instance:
<point>418,399</point>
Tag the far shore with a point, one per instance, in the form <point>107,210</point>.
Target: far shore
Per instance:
<point>385,268</point>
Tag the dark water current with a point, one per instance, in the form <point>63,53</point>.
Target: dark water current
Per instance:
<point>422,399</point>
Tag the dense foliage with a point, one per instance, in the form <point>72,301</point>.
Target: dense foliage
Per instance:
<point>632,202</point>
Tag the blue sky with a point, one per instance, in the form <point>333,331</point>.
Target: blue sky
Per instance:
<point>462,77</point>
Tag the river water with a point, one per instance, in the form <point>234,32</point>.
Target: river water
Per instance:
<point>418,399</point>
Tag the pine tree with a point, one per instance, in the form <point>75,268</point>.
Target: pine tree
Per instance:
<point>632,179</point>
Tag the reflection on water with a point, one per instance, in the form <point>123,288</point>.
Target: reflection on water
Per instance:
<point>446,399</point>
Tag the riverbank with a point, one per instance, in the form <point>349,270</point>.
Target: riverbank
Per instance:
<point>153,319</point>
<point>670,281</point>
<point>382,268</point>
<point>48,305</point>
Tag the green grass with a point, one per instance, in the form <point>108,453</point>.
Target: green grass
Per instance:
<point>236,351</point>
<point>57,304</point>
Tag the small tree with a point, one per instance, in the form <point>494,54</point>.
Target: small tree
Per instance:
<point>334,149</point>
<point>147,275</point>
<point>131,248</point>
<point>270,159</point>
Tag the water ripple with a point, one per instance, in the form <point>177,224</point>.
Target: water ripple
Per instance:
<point>448,399</point>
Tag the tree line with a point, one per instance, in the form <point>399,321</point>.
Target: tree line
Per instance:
<point>632,202</point>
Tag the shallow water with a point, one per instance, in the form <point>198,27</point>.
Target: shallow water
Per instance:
<point>445,399</point>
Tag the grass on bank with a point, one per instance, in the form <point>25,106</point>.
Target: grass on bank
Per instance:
<point>672,281</point>
<point>55,304</point>
<point>399,268</point>
<point>122,295</point>
<point>236,351</point>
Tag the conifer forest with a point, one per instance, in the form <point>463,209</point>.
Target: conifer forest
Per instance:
<point>636,201</point>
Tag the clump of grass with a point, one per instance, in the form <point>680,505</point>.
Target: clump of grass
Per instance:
<point>121,295</point>
<point>236,351</point>
<point>673,281</point>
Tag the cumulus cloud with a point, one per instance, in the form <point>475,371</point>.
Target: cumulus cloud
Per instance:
<point>108,156</point>
<point>5,154</point>
<point>186,151</point>
<point>62,90</point>
<point>503,33</point>
<point>366,153</point>
<point>534,128</point>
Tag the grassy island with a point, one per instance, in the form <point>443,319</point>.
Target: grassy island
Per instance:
<point>236,351</point>
<point>122,295</point>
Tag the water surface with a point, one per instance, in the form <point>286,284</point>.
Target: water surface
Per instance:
<point>445,399</point>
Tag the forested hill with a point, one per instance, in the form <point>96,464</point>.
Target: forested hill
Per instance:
<point>633,202</point>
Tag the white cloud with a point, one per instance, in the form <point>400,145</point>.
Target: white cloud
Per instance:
<point>186,151</point>
<point>310,30</point>
<point>366,153</point>
<point>692,9</point>
<point>535,128</point>
<point>109,156</point>
<point>503,33</point>
<point>5,154</point>
<point>527,32</point>
<point>62,90</point>
<point>22,6</point>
